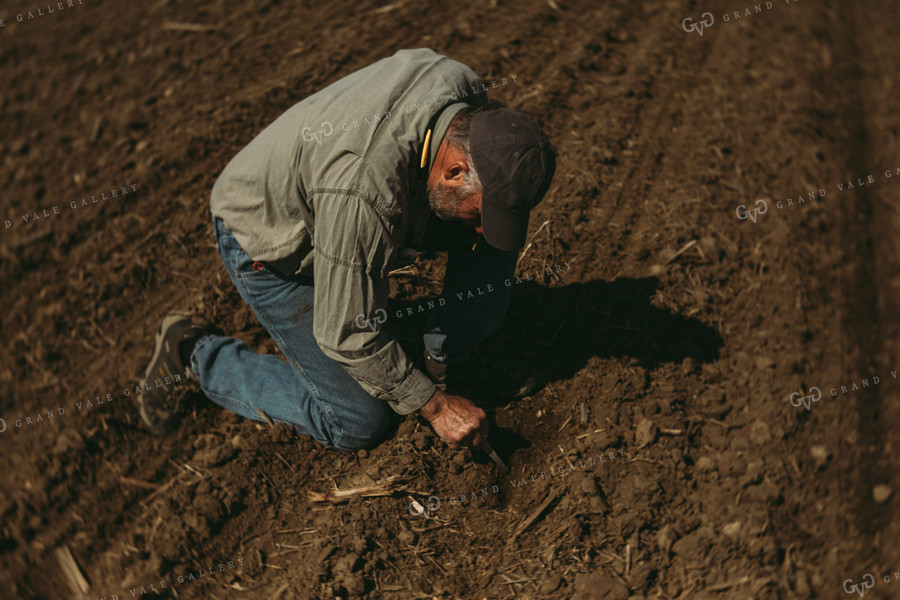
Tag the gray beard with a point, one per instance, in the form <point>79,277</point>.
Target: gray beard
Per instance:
<point>444,202</point>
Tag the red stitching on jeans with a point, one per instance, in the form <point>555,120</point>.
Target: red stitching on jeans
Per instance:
<point>258,266</point>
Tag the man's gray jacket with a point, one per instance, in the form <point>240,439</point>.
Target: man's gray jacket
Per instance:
<point>334,189</point>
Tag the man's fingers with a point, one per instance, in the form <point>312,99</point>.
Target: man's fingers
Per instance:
<point>472,438</point>
<point>479,435</point>
<point>478,438</point>
<point>463,424</point>
<point>482,433</point>
<point>467,439</point>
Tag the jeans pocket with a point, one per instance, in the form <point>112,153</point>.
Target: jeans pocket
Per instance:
<point>225,239</point>
<point>237,261</point>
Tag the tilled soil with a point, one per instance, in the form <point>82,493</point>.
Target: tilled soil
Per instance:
<point>723,216</point>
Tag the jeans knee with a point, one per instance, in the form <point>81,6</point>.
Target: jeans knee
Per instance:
<point>379,426</point>
<point>367,432</point>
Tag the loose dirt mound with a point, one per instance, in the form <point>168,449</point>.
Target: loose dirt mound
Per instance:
<point>659,456</point>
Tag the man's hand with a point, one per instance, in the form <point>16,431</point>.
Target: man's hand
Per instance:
<point>456,419</point>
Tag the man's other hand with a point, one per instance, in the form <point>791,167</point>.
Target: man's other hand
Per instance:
<point>456,419</point>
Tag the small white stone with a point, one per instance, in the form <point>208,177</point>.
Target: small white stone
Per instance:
<point>732,529</point>
<point>819,452</point>
<point>704,463</point>
<point>880,493</point>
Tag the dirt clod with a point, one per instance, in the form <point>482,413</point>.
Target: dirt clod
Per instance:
<point>590,586</point>
<point>551,583</point>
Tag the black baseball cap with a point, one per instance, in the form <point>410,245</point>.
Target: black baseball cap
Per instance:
<point>516,163</point>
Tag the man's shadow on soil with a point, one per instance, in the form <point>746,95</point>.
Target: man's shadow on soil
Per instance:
<point>551,333</point>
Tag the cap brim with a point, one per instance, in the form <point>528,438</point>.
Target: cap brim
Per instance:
<point>501,228</point>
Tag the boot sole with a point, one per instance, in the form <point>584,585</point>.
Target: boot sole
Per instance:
<point>158,347</point>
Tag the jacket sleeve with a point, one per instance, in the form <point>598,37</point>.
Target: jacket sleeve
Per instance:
<point>353,255</point>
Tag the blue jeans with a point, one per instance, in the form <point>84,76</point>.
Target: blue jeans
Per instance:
<point>309,390</point>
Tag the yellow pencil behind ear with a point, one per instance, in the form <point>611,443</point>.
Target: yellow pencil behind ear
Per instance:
<point>425,150</point>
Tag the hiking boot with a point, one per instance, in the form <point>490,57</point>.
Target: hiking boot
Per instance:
<point>168,377</point>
